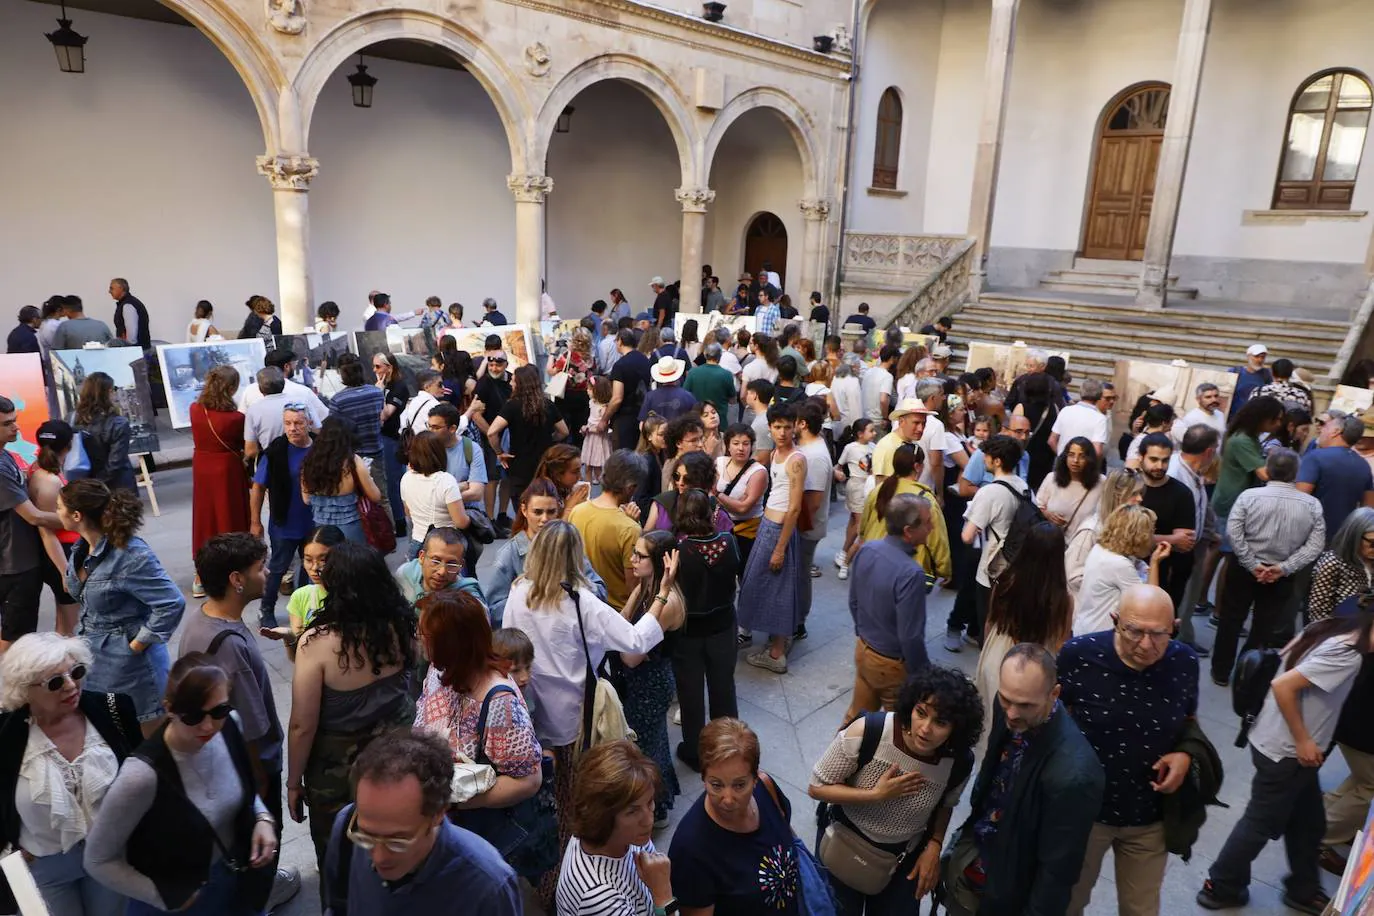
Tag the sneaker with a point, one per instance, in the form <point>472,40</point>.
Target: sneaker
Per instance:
<point>1213,619</point>
<point>799,633</point>
<point>954,640</point>
<point>1209,899</point>
<point>287,585</point>
<point>1316,904</point>
<point>762,659</point>
<point>1203,609</point>
<point>1221,681</point>
<point>971,641</point>
<point>815,572</point>
<point>268,620</point>
<point>677,716</point>
<point>286,885</point>
<point>843,573</point>
<point>1332,861</point>
<point>692,763</point>
<point>744,639</point>
<point>197,590</point>
<point>839,559</point>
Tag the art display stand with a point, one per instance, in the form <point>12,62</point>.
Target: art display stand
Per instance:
<point>145,480</point>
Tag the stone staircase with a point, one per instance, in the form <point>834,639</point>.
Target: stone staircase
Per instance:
<point>1096,332</point>
<point>1106,278</point>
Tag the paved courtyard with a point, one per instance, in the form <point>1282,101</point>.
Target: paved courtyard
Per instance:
<point>795,716</point>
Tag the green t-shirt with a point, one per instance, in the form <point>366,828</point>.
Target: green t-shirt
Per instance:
<point>1241,456</point>
<point>305,603</point>
<point>710,382</point>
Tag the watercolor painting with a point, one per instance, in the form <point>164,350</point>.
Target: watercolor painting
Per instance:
<point>184,367</point>
<point>133,388</point>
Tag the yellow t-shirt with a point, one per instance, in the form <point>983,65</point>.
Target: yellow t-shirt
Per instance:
<point>608,536</point>
<point>882,453</point>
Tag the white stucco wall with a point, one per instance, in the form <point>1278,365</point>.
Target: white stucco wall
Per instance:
<point>142,167</point>
<point>955,114</point>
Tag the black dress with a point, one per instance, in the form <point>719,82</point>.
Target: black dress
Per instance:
<point>1042,417</point>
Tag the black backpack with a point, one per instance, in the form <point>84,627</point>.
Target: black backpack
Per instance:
<point>1255,671</point>
<point>1027,516</point>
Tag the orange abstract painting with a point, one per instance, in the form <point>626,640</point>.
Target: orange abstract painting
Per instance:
<point>21,380</point>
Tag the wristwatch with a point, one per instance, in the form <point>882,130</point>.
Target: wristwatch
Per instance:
<point>668,909</point>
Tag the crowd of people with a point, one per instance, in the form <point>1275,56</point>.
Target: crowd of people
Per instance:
<point>456,729</point>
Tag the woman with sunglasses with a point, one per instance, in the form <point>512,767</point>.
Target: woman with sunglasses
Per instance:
<point>692,471</point>
<point>182,829</point>
<point>60,747</point>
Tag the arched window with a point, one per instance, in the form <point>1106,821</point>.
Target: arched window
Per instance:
<point>888,147</point>
<point>1326,131</point>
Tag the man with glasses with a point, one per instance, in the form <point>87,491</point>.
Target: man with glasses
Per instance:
<point>395,851</point>
<point>1133,691</point>
<point>438,566</point>
<point>277,479</point>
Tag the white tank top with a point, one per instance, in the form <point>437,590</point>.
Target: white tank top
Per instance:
<point>781,492</point>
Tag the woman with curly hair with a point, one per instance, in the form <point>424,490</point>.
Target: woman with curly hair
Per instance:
<point>577,362</point>
<point>900,792</point>
<point>534,424</point>
<point>562,464</point>
<point>107,431</point>
<point>261,321</point>
<point>1121,487</point>
<point>332,476</point>
<point>1115,564</point>
<point>130,607</point>
<point>219,496</point>
<point>351,683</point>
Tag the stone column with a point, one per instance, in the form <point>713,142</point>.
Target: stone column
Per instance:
<point>694,202</point>
<point>529,191</point>
<point>1173,154</point>
<point>815,214</point>
<point>290,177</point>
<point>988,157</point>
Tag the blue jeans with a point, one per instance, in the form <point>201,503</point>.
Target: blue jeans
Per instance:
<point>217,897</point>
<point>69,891</point>
<point>394,470</point>
<point>279,561</point>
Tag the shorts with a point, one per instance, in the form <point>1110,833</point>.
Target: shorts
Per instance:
<point>19,594</point>
<point>854,494</point>
<point>56,579</point>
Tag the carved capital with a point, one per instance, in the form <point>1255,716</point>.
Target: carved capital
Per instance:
<point>694,200</point>
<point>815,209</point>
<point>529,189</point>
<point>289,173</point>
<point>286,16</point>
<point>538,60</point>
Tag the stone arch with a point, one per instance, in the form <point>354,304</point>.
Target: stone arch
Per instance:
<point>254,62</point>
<point>645,77</point>
<point>353,35</point>
<point>792,114</point>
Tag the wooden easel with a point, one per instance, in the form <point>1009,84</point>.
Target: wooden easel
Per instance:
<point>145,480</point>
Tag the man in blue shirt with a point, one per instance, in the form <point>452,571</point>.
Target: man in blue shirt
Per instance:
<point>1332,472</point>
<point>976,473</point>
<point>278,478</point>
<point>887,600</point>
<point>1132,690</point>
<point>492,316</point>
<point>444,421</point>
<point>382,318</point>
<point>767,315</point>
<point>395,852</point>
<point>1250,377</point>
<point>360,405</point>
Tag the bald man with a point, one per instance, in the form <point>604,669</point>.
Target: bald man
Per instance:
<point>1133,691</point>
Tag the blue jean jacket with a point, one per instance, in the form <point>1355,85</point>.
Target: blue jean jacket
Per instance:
<point>126,590</point>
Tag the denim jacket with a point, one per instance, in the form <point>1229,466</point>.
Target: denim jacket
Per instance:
<point>510,565</point>
<point>126,590</point>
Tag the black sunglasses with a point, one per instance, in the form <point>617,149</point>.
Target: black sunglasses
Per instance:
<point>58,681</point>
<point>218,713</point>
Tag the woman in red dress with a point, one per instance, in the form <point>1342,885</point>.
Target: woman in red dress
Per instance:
<point>219,500</point>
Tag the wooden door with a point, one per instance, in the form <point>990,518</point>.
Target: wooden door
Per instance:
<point>1123,183</point>
<point>766,240</point>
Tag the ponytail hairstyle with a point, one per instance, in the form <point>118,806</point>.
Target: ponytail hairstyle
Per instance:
<point>117,513</point>
<point>904,461</point>
<point>54,441</point>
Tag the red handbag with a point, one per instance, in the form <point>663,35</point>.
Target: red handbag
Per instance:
<point>377,528</point>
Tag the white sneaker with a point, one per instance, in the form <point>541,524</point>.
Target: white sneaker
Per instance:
<point>762,659</point>
<point>839,559</point>
<point>843,573</point>
<point>677,716</point>
<point>285,886</point>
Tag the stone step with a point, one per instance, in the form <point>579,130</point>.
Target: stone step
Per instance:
<point>1105,285</point>
<point>1106,265</point>
<point>1038,304</point>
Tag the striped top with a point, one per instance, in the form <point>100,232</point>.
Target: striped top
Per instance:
<point>591,885</point>
<point>1276,523</point>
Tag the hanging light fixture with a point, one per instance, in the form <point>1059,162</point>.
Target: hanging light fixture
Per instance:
<point>564,123</point>
<point>362,83</point>
<point>70,47</point>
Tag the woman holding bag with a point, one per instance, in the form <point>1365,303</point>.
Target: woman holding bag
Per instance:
<point>891,782</point>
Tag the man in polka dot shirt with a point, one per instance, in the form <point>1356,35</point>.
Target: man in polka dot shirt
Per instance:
<point>1132,690</point>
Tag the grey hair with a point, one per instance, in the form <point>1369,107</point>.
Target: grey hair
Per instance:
<point>844,369</point>
<point>667,334</point>
<point>1282,465</point>
<point>31,656</point>
<point>711,352</point>
<point>271,380</point>
<point>1346,544</point>
<point>1352,429</point>
<point>1202,389</point>
<point>426,376</point>
<point>722,334</point>
<point>1091,390</point>
<point>296,408</point>
<point>1037,357</point>
<point>929,388</point>
<point>488,303</point>
<point>906,510</point>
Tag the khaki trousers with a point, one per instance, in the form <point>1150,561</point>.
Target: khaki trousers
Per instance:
<point>1140,856</point>
<point>1347,805</point>
<point>877,681</point>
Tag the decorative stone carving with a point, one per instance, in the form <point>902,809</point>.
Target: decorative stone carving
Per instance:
<point>694,200</point>
<point>843,42</point>
<point>289,173</point>
<point>815,209</point>
<point>941,293</point>
<point>286,16</point>
<point>529,189</point>
<point>537,59</point>
<point>920,253</point>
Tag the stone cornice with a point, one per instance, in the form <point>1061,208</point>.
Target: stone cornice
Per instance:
<point>715,37</point>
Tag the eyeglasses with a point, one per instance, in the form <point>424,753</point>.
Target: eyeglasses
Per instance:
<point>58,681</point>
<point>218,713</point>
<point>454,568</point>
<point>1136,634</point>
<point>636,555</point>
<point>368,842</point>
<point>1367,540</point>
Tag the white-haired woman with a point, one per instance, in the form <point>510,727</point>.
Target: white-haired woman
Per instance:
<point>60,748</point>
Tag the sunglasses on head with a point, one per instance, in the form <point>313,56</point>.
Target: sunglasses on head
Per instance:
<point>218,713</point>
<point>58,681</point>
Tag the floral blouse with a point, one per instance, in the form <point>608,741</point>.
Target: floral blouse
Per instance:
<point>511,745</point>
<point>578,367</point>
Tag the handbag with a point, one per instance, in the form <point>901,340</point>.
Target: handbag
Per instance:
<point>603,716</point>
<point>377,528</point>
<point>557,385</point>
<point>814,896</point>
<point>745,527</point>
<point>526,833</point>
<point>470,779</point>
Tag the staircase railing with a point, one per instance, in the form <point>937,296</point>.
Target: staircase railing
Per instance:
<point>943,292</point>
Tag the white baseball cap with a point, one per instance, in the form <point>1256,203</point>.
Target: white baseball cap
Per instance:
<point>1257,350</point>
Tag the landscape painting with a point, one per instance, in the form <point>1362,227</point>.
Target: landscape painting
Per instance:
<point>133,388</point>
<point>184,367</point>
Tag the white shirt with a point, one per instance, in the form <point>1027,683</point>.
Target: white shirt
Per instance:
<point>992,510</point>
<point>1106,576</point>
<point>416,413</point>
<point>932,438</point>
<point>1215,419</point>
<point>848,395</point>
<point>591,885</point>
<point>729,362</point>
<point>295,393</point>
<point>906,386</point>
<point>875,383</point>
<point>757,369</point>
<point>427,499</point>
<point>724,479</point>
<point>559,675</point>
<point>1081,420</point>
<point>772,277</point>
<point>780,494</point>
<point>52,817</point>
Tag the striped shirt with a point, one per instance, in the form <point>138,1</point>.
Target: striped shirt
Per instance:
<point>361,406</point>
<point>591,885</point>
<point>1276,524</point>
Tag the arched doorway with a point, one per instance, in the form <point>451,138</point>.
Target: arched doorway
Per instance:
<point>1129,136</point>
<point>766,240</point>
